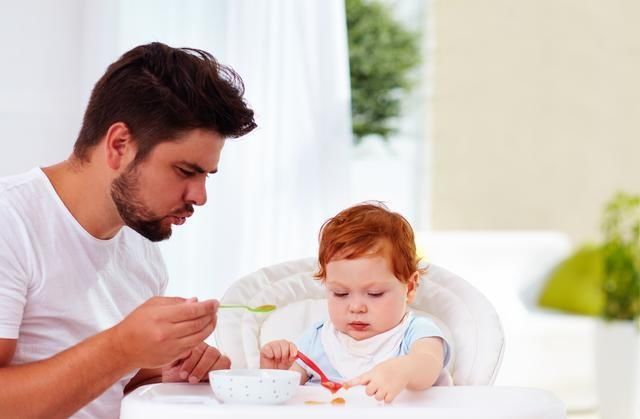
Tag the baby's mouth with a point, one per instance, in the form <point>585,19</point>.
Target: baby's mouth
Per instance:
<point>358,326</point>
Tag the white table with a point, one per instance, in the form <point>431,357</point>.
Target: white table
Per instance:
<point>161,401</point>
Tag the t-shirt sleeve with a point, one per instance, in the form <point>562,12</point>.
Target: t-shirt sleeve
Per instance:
<point>423,327</point>
<point>14,281</point>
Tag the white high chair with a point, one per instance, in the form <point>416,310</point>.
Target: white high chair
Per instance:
<point>466,317</point>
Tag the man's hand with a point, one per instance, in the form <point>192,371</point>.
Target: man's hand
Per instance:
<point>279,354</point>
<point>385,380</point>
<point>196,366</point>
<point>162,330</point>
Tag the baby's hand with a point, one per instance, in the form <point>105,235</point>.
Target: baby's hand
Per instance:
<point>384,381</point>
<point>279,354</point>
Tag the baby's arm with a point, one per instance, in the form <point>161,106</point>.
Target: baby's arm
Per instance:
<point>281,355</point>
<point>426,358</point>
<point>418,370</point>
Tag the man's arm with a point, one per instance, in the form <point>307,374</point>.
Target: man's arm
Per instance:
<point>7,349</point>
<point>156,333</point>
<point>143,377</point>
<point>193,369</point>
<point>62,384</point>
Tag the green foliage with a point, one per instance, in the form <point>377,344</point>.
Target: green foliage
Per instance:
<point>381,54</point>
<point>621,285</point>
<point>575,285</point>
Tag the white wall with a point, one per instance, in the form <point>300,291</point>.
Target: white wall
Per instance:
<point>536,111</point>
<point>40,101</point>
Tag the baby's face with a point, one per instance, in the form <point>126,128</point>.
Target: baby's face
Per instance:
<point>364,296</point>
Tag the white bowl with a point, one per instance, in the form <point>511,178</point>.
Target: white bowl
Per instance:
<point>254,386</point>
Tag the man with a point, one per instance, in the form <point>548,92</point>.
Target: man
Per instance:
<point>81,317</point>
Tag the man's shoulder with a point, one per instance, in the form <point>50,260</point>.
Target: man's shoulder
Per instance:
<point>18,190</point>
<point>7,183</point>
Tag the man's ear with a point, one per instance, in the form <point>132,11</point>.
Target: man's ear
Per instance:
<point>120,148</point>
<point>412,286</point>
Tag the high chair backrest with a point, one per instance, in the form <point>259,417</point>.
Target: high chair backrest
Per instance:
<point>466,317</point>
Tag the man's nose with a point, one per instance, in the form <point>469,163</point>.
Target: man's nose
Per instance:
<point>196,193</point>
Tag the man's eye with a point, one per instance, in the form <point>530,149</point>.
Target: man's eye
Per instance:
<point>376,294</point>
<point>184,172</point>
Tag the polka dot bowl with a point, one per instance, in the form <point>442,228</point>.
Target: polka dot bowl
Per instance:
<point>254,386</point>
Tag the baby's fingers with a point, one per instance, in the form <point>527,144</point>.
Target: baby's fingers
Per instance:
<point>293,351</point>
<point>390,396</point>
<point>277,351</point>
<point>267,352</point>
<point>362,380</point>
<point>373,389</point>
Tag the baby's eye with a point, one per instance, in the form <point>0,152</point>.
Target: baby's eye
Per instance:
<point>376,294</point>
<point>340,294</point>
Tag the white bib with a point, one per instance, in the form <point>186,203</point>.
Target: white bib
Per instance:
<point>351,357</point>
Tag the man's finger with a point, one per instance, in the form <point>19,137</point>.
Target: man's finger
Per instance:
<point>190,327</point>
<point>223,363</point>
<point>204,365</point>
<point>189,364</point>
<point>166,301</point>
<point>177,313</point>
<point>188,342</point>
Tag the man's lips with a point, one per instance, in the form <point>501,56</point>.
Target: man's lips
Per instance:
<point>179,219</point>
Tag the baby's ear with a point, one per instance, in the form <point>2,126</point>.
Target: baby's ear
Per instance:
<point>412,286</point>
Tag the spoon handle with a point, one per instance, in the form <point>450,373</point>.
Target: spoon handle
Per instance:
<point>312,365</point>
<point>232,306</point>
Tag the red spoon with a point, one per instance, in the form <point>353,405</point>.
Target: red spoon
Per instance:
<point>332,386</point>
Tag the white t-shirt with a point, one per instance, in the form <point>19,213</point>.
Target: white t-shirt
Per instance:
<point>59,285</point>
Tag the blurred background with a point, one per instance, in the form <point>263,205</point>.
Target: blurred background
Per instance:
<point>500,129</point>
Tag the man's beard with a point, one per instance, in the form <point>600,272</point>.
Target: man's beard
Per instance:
<point>125,192</point>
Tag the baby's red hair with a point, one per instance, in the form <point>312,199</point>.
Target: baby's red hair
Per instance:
<point>367,229</point>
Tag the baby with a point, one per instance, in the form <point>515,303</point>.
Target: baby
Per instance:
<point>369,267</point>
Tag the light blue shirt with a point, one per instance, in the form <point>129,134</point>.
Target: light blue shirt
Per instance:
<point>310,343</point>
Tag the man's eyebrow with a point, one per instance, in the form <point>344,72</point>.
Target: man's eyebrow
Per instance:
<point>197,168</point>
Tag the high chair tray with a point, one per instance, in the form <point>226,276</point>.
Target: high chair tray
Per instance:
<point>178,400</point>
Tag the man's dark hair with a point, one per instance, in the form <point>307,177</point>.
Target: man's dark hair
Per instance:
<point>161,92</point>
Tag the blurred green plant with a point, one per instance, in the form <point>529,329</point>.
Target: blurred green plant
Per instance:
<point>575,285</point>
<point>621,286</point>
<point>382,53</point>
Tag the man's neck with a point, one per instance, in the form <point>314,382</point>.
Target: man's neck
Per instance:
<point>85,193</point>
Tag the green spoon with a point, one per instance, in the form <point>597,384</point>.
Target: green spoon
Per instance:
<point>260,309</point>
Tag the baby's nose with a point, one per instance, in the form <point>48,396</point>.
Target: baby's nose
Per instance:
<point>357,307</point>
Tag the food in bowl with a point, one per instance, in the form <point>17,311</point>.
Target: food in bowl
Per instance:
<point>254,386</point>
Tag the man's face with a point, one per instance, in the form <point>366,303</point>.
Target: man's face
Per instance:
<point>162,189</point>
